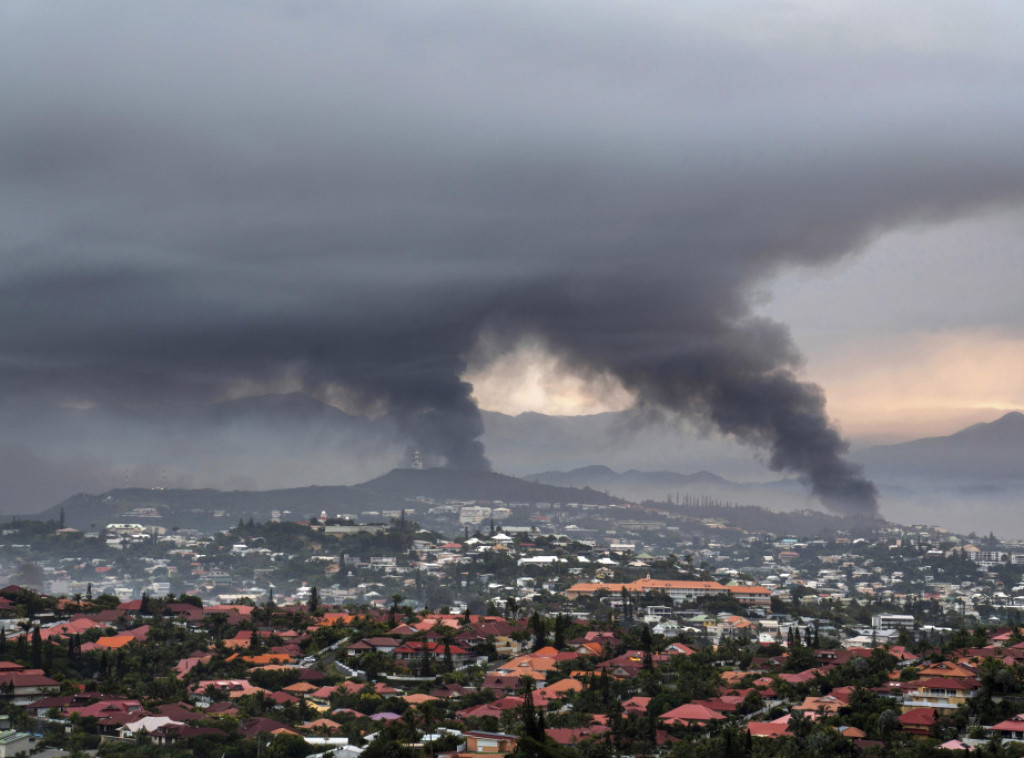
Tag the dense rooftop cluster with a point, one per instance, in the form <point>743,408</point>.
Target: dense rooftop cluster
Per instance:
<point>333,636</point>
<point>174,676</point>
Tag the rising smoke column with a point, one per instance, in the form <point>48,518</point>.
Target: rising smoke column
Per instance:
<point>718,365</point>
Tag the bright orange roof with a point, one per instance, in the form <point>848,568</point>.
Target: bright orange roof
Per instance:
<point>266,658</point>
<point>300,688</point>
<point>115,642</point>
<point>564,685</point>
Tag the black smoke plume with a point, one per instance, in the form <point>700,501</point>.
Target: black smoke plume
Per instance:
<point>341,199</point>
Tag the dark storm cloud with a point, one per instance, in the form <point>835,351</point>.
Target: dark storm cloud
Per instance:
<point>193,197</point>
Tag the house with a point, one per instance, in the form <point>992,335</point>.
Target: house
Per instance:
<point>851,732</point>
<point>15,743</point>
<point>112,714</point>
<point>26,685</point>
<point>942,693</point>
<point>569,736</point>
<point>485,743</point>
<point>678,648</point>
<point>179,712</point>
<point>955,745</point>
<point>206,690</point>
<point>918,721</point>
<point>414,650</point>
<point>535,665</point>
<point>496,708</point>
<point>637,704</point>
<point>722,704</point>
<point>172,733</point>
<point>373,645</point>
<point>770,729</point>
<point>147,724</point>
<point>753,596</point>
<point>947,669</point>
<point>558,690</point>
<point>445,691</point>
<point>629,664</point>
<point>823,703</point>
<point>691,714</point>
<point>75,626</point>
<point>501,684</point>
<point>1010,729</point>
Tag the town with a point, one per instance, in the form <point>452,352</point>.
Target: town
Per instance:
<point>503,628</point>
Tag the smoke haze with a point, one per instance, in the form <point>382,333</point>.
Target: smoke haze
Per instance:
<point>344,199</point>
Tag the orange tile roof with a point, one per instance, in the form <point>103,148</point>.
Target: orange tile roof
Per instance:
<point>115,642</point>
<point>301,688</point>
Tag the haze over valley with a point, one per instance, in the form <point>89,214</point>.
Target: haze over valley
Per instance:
<point>971,480</point>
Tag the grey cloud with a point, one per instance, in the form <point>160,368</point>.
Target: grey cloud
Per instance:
<point>193,196</point>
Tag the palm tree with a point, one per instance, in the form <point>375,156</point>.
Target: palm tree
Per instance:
<point>429,712</point>
<point>409,721</point>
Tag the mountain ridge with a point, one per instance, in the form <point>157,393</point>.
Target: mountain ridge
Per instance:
<point>394,490</point>
<point>980,452</point>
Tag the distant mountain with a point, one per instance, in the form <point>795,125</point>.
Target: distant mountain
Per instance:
<point>288,441</point>
<point>986,453</point>
<point>661,485</point>
<point>210,508</point>
<point>454,484</point>
<point>292,440</point>
<point>604,478</point>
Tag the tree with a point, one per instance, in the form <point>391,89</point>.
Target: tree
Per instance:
<point>800,725</point>
<point>425,668</point>
<point>646,639</point>
<point>37,649</point>
<point>533,726</point>
<point>540,637</point>
<point>561,623</point>
<point>395,600</point>
<point>287,746</point>
<point>449,664</point>
<point>409,722</point>
<point>314,600</point>
<point>888,722</point>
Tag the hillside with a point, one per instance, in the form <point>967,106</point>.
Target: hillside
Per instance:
<point>982,453</point>
<point>604,478</point>
<point>453,484</point>
<point>209,508</point>
<point>215,509</point>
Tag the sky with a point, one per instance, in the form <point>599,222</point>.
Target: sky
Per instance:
<point>792,222</point>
